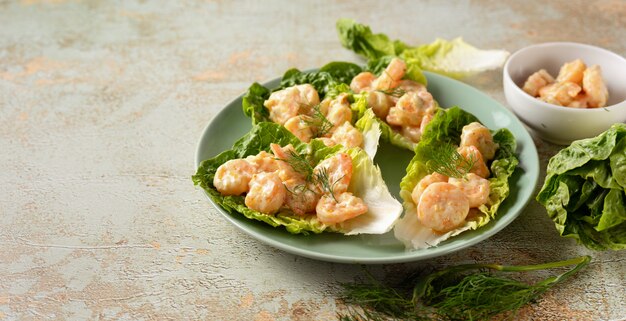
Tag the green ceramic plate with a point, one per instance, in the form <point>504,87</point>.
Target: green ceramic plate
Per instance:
<point>230,124</point>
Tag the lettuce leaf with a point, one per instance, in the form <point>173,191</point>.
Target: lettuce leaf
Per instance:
<point>325,79</point>
<point>454,58</point>
<point>366,183</point>
<point>584,190</point>
<point>445,128</point>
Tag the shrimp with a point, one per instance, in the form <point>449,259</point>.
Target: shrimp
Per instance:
<point>391,76</point>
<point>380,103</point>
<point>264,162</point>
<point>347,135</point>
<point>301,198</point>
<point>580,101</point>
<point>362,82</point>
<point>408,85</point>
<point>334,173</point>
<point>336,209</point>
<point>308,95</point>
<point>329,142</point>
<point>301,127</point>
<point>413,133</point>
<point>442,207</point>
<point>475,188</point>
<point>267,193</point>
<point>409,111</point>
<point>339,112</point>
<point>471,153</point>
<point>559,93</point>
<point>594,87</point>
<point>283,154</point>
<point>290,102</point>
<point>478,135</point>
<point>232,177</point>
<point>537,81</point>
<point>426,119</point>
<point>424,182</point>
<point>572,72</point>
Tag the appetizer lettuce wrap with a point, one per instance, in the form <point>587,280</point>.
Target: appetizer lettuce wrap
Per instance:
<point>329,81</point>
<point>454,58</point>
<point>585,190</point>
<point>377,67</point>
<point>366,183</point>
<point>445,128</point>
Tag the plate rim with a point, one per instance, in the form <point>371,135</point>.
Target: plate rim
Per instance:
<point>407,255</point>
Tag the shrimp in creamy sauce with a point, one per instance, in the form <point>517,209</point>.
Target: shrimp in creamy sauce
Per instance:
<point>335,173</point>
<point>475,188</point>
<point>576,86</point>
<point>442,207</point>
<point>478,135</point>
<point>267,193</point>
<point>232,177</point>
<point>290,102</point>
<point>339,208</point>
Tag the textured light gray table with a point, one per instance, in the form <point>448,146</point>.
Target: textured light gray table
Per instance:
<point>101,107</point>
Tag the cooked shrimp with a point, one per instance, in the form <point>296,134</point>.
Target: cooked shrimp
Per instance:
<point>347,135</point>
<point>408,85</point>
<point>334,173</point>
<point>391,75</point>
<point>560,93</point>
<point>572,72</point>
<point>267,193</point>
<point>413,133</point>
<point>580,101</point>
<point>409,111</point>
<point>327,141</point>
<point>290,102</point>
<point>264,162</point>
<point>342,207</point>
<point>308,96</point>
<point>301,127</point>
<point>426,119</point>
<point>537,81</point>
<point>424,182</point>
<point>362,82</point>
<point>300,198</point>
<point>475,188</point>
<point>380,103</point>
<point>232,177</point>
<point>339,112</point>
<point>471,153</point>
<point>593,84</point>
<point>478,135</point>
<point>442,207</point>
<point>283,155</point>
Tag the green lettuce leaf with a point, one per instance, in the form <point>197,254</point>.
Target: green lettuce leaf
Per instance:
<point>252,103</point>
<point>445,128</point>
<point>367,183</point>
<point>454,58</point>
<point>327,78</point>
<point>584,190</point>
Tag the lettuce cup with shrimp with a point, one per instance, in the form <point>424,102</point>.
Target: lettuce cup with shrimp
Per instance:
<point>271,176</point>
<point>456,181</point>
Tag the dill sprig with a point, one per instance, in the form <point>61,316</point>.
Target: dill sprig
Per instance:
<point>446,160</point>
<point>393,92</point>
<point>301,164</point>
<point>322,179</point>
<point>463,292</point>
<point>319,122</point>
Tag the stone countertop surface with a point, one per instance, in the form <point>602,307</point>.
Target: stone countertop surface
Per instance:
<point>102,104</point>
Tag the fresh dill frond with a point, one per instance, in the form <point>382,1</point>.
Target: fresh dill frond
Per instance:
<point>462,292</point>
<point>446,160</point>
<point>300,164</point>
<point>323,180</point>
<point>321,124</point>
<point>393,92</point>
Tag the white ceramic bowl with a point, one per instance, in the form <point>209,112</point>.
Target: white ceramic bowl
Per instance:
<point>557,124</point>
